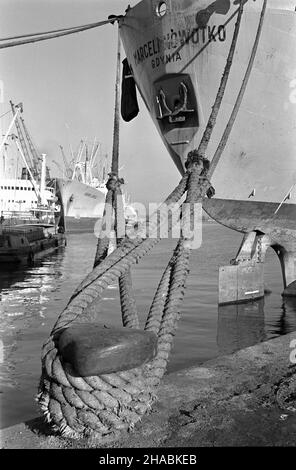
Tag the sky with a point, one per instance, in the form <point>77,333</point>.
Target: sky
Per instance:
<point>67,87</point>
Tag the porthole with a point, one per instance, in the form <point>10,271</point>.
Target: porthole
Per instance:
<point>161,9</point>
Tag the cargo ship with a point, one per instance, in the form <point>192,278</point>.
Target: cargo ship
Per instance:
<point>83,193</point>
<point>178,49</point>
<point>31,220</point>
<point>177,52</point>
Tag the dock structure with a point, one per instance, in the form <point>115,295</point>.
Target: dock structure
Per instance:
<point>243,278</point>
<point>79,396</point>
<point>242,399</point>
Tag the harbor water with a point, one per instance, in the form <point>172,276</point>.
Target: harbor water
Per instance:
<point>32,298</point>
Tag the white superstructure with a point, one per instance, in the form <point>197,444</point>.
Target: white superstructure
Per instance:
<point>20,195</point>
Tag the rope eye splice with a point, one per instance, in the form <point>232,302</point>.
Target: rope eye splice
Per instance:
<point>195,159</point>
<point>114,181</point>
<point>99,381</point>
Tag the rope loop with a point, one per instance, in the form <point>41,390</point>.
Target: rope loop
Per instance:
<point>114,182</point>
<point>106,404</point>
<point>195,160</point>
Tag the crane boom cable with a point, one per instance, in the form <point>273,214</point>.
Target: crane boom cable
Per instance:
<point>3,142</point>
<point>21,137</point>
<point>4,114</point>
<point>34,154</point>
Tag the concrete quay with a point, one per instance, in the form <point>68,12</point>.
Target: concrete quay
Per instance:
<point>244,399</point>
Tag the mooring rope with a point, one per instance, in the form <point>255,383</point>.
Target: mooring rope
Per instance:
<point>44,33</point>
<point>128,253</point>
<point>220,94</point>
<point>127,301</point>
<point>4,114</point>
<point>105,404</point>
<point>224,139</point>
<point>115,151</point>
<point>44,36</point>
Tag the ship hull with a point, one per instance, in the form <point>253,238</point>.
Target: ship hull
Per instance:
<point>80,201</point>
<point>190,44</point>
<point>81,225</point>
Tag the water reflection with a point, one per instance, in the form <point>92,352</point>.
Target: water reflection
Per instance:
<point>32,299</point>
<point>240,326</point>
<point>243,325</point>
<point>24,291</point>
<point>286,322</point>
<point>24,295</point>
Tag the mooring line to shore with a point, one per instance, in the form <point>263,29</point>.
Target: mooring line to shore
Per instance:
<point>56,33</point>
<point>93,400</point>
<point>222,144</point>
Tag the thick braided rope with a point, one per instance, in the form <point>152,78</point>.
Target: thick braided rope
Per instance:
<point>155,313</point>
<point>103,242</point>
<point>109,403</point>
<point>68,418</point>
<point>171,313</point>
<point>101,405</point>
<point>54,397</point>
<point>127,302</point>
<point>117,263</point>
<point>77,406</point>
<point>224,79</point>
<point>224,139</point>
<point>129,312</point>
<point>44,36</point>
<point>114,203</point>
<point>165,310</point>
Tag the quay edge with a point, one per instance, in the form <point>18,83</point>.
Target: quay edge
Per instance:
<point>243,399</point>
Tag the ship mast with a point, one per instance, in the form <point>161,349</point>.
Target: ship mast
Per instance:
<point>66,163</point>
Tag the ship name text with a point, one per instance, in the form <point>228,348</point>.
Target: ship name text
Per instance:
<point>164,50</point>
